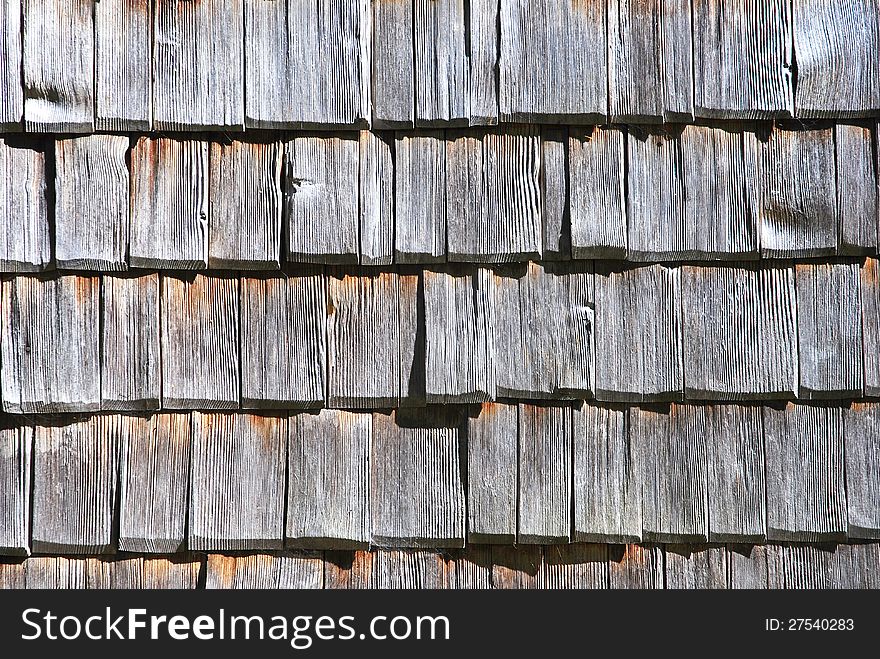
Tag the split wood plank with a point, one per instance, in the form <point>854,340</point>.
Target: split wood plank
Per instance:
<point>869,288</point>
<point>861,423</point>
<point>857,203</point>
<point>555,215</point>
<point>376,181</point>
<point>198,65</point>
<point>638,567</point>
<point>25,236</point>
<point>420,197</point>
<point>442,71</point>
<point>91,203</point>
<point>411,301</point>
<point>694,567</point>
<point>300,570</point>
<point>51,358</point>
<point>11,93</point>
<point>483,55</point>
<point>394,75</point>
<point>574,566</point>
<point>492,433</point>
<point>16,442</point>
<point>200,342</point>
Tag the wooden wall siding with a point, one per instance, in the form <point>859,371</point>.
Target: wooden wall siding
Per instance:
<point>417,496</point>
<point>442,71</point>
<point>50,345</point>
<point>747,566</point>
<point>420,198</point>
<point>321,199</point>
<point>541,81</point>
<point>91,203</point>
<point>516,568</point>
<point>493,195</point>
<point>393,64</point>
<point>575,566</point>
<point>635,567</point>
<point>459,336</point>
<point>544,482</point>
<point>11,95</point>
<point>25,235</point>
<point>244,205</point>
<point>74,496</point>
<point>740,332</point>
<point>123,80</point>
<point>677,59</point>
<point>154,465</point>
<point>470,569</point>
<point>829,330</point>
<point>198,65</point>
<point>492,457</point>
<point>483,56</point>
<point>283,340</point>
<point>271,571</point>
<point>169,204</point>
<point>607,468</point>
<point>806,500</point>
<point>15,489</point>
<point>869,288</point>
<point>818,567</point>
<point>411,298</point>
<point>692,567</point>
<point>328,473</point>
<point>743,58</point>
<point>200,342</point>
<point>376,181</point>
<point>857,203</point>
<point>236,494</point>
<point>638,307</point>
<point>861,425</point>
<point>555,215</point>
<point>180,572</point>
<point>58,66</point>
<point>130,368</point>
<point>675,498</point>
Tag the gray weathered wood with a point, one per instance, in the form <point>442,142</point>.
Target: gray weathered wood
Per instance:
<point>91,203</point>
<point>50,340</point>
<point>635,79</point>
<point>740,332</point>
<point>123,70</point>
<point>420,198</point>
<point>754,566</point>
<point>460,348</point>
<point>471,568</point>
<point>836,46</point>
<point>75,471</point>
<point>540,80</point>
<point>492,459</point>
<point>829,321</point>
<point>442,71</point>
<point>677,60</point>
<point>865,565</point>
<point>573,566</point>
<point>200,342</point>
<point>130,377</point>
<point>58,66</point>
<point>394,85</point>
<point>816,567</point>
<point>25,238</point>
<point>806,501</point>
<point>493,195</point>
<point>283,339</point>
<point>300,570</point>
<point>376,180</point>
<point>607,490</point>
<point>244,205</point>
<point>198,65</point>
<point>417,496</point>
<point>154,462</point>
<point>169,204</point>
<point>857,203</point>
<point>11,93</point>
<point>236,494</point>
<point>635,567</point>
<point>869,288</point>
<point>328,488</point>
<point>638,334</point>
<point>516,568</point>
<point>483,55</point>
<point>15,489</point>
<point>861,424</point>
<point>321,199</point>
<point>13,574</point>
<point>555,215</point>
<point>407,569</point>
<point>742,58</point>
<point>695,567</point>
<point>544,483</point>
<point>411,300</point>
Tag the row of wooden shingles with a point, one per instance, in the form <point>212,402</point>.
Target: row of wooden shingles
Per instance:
<point>285,64</point>
<point>497,474</point>
<point>559,566</point>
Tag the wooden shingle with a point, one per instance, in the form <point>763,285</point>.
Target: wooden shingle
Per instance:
<point>694,567</point>
<point>555,215</point>
<point>54,572</point>
<point>411,301</point>
<point>483,54</point>
<point>300,570</point>
<point>11,93</point>
<point>857,203</point>
<point>635,567</point>
<point>869,289</point>
<point>677,59</point>
<point>420,197</point>
<point>376,181</point>
<point>25,240</point>
<point>394,86</point>
<point>516,568</point>
<point>492,448</point>
<point>754,566</point>
<point>574,566</point>
<point>174,572</point>
<point>15,489</point>
<point>470,569</point>
<point>442,71</point>
<point>861,436</point>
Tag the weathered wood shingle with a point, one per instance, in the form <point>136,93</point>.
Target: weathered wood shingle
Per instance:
<point>420,198</point>
<point>442,71</point>
<point>11,93</point>
<point>857,203</point>
<point>695,567</point>
<point>300,570</point>
<point>861,425</point>
<point>869,289</point>
<point>16,442</point>
<point>393,72</point>
<point>555,215</point>
<point>635,567</point>
<point>376,181</point>
<point>492,459</point>
<point>25,240</point>
<point>574,566</point>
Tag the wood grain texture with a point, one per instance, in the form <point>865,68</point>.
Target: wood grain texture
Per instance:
<point>321,199</point>
<point>169,204</point>
<point>635,567</point>
<point>123,70</point>
<point>836,46</point>
<point>555,213</point>
<point>607,468</point>
<point>244,206</point>
<point>58,66</point>
<point>130,376</point>
<point>154,465</point>
<point>754,566</point>
<point>635,79</point>
<point>677,60</point>
<point>91,203</point>
<point>869,288</point>
<point>492,458</point>
<point>236,494</point>
<point>442,71</point>
<point>76,518</point>
<point>198,65</point>
<point>544,483</point>
<point>50,348</point>
<point>693,567</point>
<point>806,501</point>
<point>861,436</point>
<point>542,82</point>
<point>376,181</point>
<point>857,203</point>
<point>575,566</point>
<point>283,570</point>
<point>493,195</point>
<point>176,572</point>
<point>470,569</point>
<point>817,567</point>
<point>420,197</point>
<point>25,236</point>
<point>404,569</point>
<point>516,568</point>
<point>200,342</point>
<point>411,301</point>
<point>740,332</point>
<point>11,93</point>
<point>483,55</point>
<point>742,59</point>
<point>16,445</point>
<point>417,495</point>
<point>53,572</point>
<point>394,67</point>
<point>829,330</point>
<point>283,340</point>
<point>638,334</point>
<point>328,488</point>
